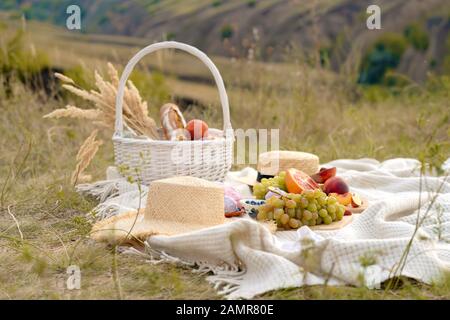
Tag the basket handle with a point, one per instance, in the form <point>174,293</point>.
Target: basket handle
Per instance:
<point>171,45</point>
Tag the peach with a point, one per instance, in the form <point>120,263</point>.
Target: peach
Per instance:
<point>335,185</point>
<point>356,200</point>
<point>324,174</point>
<point>198,129</point>
<point>344,199</point>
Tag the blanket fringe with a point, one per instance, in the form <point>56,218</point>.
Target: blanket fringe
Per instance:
<point>226,278</point>
<point>226,284</point>
<point>105,210</point>
<point>101,190</point>
<point>110,194</point>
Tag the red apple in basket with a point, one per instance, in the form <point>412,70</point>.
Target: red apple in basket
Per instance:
<point>335,185</point>
<point>198,129</point>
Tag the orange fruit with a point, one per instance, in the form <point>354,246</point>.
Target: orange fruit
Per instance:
<point>297,181</point>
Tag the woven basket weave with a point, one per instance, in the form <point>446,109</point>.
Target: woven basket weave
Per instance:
<point>149,160</point>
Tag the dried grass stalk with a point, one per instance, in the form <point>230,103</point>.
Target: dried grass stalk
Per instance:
<point>135,110</point>
<point>75,112</point>
<point>84,178</point>
<point>135,114</point>
<point>78,92</point>
<point>64,78</point>
<point>85,155</point>
<point>113,75</point>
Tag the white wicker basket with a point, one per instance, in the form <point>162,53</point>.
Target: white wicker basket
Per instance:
<point>149,160</point>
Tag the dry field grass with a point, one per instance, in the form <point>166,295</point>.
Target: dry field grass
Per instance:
<point>315,110</point>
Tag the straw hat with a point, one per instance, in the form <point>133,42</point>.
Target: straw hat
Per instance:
<point>174,205</point>
<point>272,162</point>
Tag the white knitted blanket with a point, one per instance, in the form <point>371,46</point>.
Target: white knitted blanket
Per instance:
<point>405,231</point>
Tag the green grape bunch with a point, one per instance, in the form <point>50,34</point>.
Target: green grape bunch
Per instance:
<point>310,208</point>
<point>260,189</point>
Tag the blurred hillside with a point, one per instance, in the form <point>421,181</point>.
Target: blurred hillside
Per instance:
<point>415,35</point>
<point>298,73</point>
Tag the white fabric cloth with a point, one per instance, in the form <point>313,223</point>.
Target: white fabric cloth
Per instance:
<point>246,259</point>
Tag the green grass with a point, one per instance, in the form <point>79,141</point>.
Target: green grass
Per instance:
<point>315,110</point>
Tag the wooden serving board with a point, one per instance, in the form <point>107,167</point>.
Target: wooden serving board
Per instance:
<point>334,225</point>
<point>327,227</point>
<point>346,220</point>
<point>364,205</point>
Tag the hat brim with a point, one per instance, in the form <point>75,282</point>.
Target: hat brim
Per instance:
<point>246,180</point>
<point>250,178</point>
<point>131,227</point>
